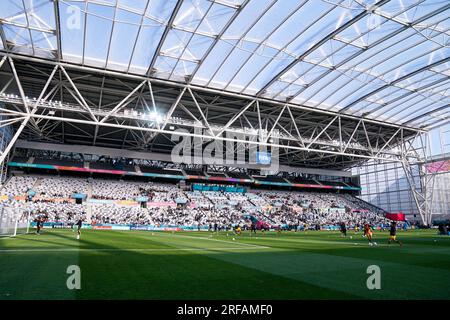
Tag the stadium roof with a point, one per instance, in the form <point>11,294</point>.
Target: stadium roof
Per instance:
<point>382,60</point>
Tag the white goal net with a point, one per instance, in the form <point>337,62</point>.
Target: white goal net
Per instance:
<point>13,221</point>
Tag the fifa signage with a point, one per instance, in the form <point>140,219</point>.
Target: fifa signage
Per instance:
<point>263,158</point>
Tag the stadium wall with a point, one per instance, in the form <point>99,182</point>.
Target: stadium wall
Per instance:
<point>385,185</point>
<point>440,206</point>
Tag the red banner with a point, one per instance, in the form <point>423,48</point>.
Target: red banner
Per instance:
<point>396,216</point>
<point>102,227</point>
<point>438,166</point>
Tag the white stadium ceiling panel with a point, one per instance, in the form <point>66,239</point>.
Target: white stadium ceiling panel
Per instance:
<point>29,27</point>
<point>387,60</point>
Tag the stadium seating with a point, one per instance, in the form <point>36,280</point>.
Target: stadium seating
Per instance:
<point>114,190</point>
<point>169,205</point>
<point>60,187</point>
<point>18,186</point>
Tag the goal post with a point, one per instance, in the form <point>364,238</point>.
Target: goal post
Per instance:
<point>14,221</point>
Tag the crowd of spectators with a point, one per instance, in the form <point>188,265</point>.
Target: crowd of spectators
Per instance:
<point>59,187</point>
<point>174,206</point>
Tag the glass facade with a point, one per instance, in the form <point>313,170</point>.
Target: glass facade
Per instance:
<point>385,184</point>
<point>441,203</point>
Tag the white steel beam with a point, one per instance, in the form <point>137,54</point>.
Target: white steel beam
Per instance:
<point>207,90</point>
<point>14,138</point>
<point>195,135</point>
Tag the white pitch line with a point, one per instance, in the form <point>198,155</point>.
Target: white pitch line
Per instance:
<point>212,239</point>
<point>120,249</point>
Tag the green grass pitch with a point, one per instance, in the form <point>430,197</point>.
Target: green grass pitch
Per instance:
<point>203,265</point>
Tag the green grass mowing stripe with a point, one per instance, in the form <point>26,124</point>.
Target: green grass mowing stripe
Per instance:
<point>334,238</point>
<point>399,266</point>
<point>113,239</point>
<point>416,254</point>
<point>348,274</point>
<point>297,241</point>
<point>237,243</point>
<point>128,269</point>
<point>170,240</point>
<point>185,276</point>
<point>412,256</point>
<point>38,275</point>
<point>184,241</point>
<point>58,250</point>
<point>410,247</point>
<point>307,269</point>
<point>117,239</point>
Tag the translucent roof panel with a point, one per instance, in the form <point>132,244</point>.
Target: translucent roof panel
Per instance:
<point>382,59</point>
<point>28,27</point>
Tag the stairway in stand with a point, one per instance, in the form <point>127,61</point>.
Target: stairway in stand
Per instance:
<point>88,204</point>
<point>37,183</point>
